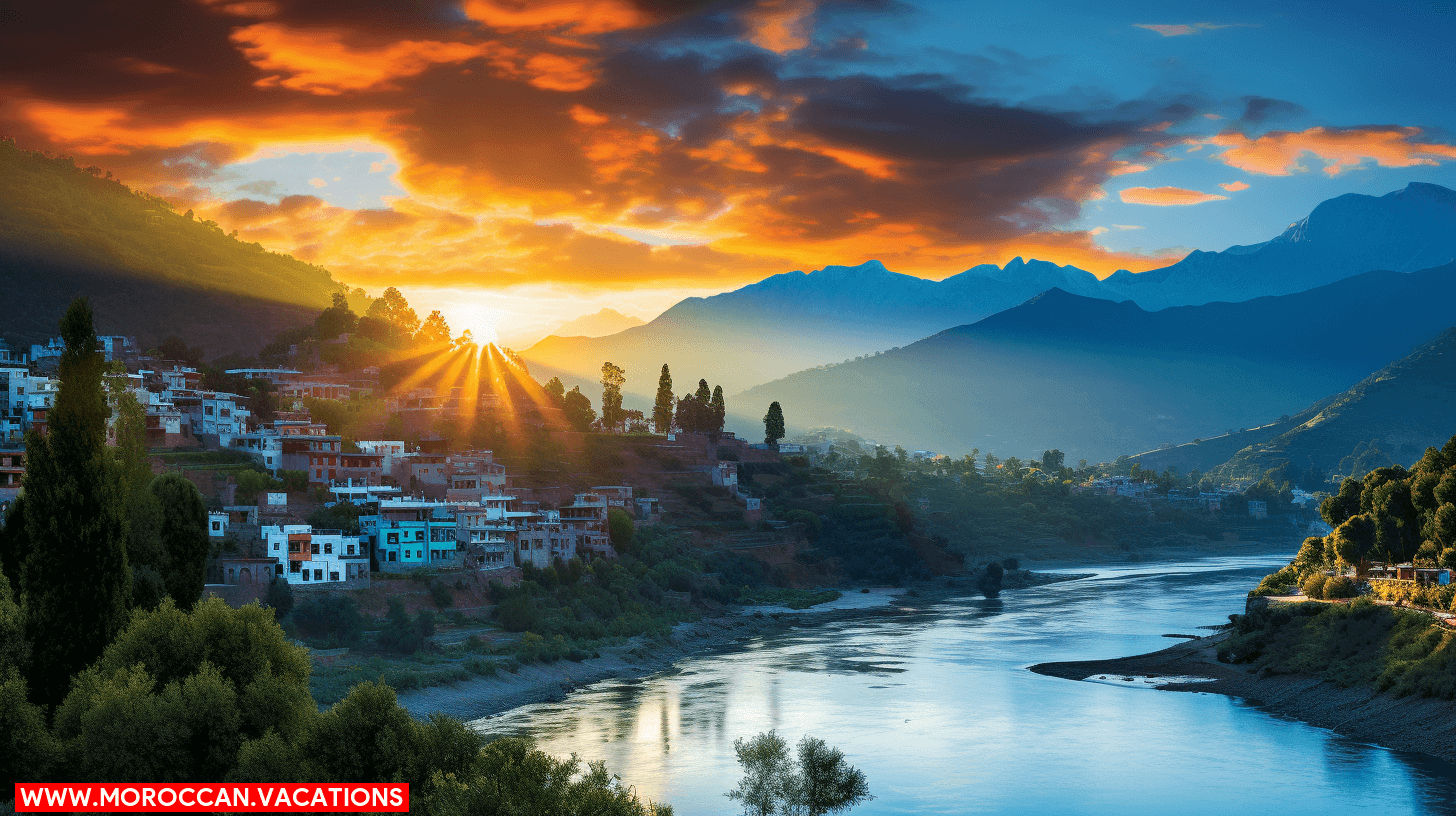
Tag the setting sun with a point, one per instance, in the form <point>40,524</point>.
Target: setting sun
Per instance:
<point>481,321</point>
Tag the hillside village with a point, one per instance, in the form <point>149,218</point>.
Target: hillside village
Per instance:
<point>290,500</point>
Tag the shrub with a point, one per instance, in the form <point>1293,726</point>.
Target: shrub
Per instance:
<point>280,597</point>
<point>484,668</point>
<point>1340,587</point>
<point>334,619</point>
<point>441,595</point>
<point>1314,586</point>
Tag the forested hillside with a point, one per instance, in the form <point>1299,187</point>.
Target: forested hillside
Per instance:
<point>149,271</point>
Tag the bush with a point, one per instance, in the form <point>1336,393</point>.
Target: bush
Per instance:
<point>441,595</point>
<point>484,668</point>
<point>280,597</point>
<point>400,634</point>
<point>1340,587</point>
<point>333,619</point>
<point>1314,586</point>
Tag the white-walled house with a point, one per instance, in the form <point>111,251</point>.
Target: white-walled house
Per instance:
<point>305,556</point>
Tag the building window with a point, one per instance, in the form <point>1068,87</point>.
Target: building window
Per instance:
<point>394,538</point>
<point>275,545</point>
<point>217,526</point>
<point>294,566</point>
<point>328,548</point>
<point>318,575</point>
<point>305,575</point>
<point>391,556</point>
<point>333,576</point>
<point>351,549</point>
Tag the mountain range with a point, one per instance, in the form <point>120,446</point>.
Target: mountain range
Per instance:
<point>799,320</point>
<point>1097,379</point>
<point>1409,229</point>
<point>599,324</point>
<point>796,320</point>
<point>1403,408</point>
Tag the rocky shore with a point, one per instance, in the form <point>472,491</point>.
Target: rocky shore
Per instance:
<point>641,657</point>
<point>1420,725</point>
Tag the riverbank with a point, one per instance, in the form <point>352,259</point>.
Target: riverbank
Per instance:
<point>1418,724</point>
<point>641,657</point>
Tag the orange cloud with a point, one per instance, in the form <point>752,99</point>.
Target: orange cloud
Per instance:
<point>1166,196</point>
<point>780,25</point>
<point>1234,186</point>
<point>575,16</point>
<point>1281,153</point>
<point>114,129</point>
<point>319,62</point>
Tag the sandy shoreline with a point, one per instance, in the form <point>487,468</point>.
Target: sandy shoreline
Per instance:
<point>1418,725</point>
<point>639,658</point>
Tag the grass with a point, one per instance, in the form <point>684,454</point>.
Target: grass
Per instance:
<point>1360,643</point>
<point>792,598</point>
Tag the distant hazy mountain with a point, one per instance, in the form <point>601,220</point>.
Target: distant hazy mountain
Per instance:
<point>149,272</point>
<point>1404,408</point>
<point>796,320</point>
<point>1406,230</point>
<point>601,324</point>
<point>1097,379</point>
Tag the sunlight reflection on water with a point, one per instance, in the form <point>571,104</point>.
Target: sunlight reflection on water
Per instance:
<point>934,703</point>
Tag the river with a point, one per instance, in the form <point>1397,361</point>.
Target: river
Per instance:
<point>933,702</point>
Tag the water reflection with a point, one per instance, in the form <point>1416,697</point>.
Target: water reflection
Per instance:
<point>933,702</point>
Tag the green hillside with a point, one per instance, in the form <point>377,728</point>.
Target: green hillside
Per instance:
<point>149,271</point>
<point>1391,416</point>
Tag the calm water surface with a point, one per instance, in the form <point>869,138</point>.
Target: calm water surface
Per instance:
<point>933,702</point>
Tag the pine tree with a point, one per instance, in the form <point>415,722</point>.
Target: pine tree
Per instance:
<point>662,408</point>
<point>773,425</point>
<point>719,411</point>
<point>75,577</point>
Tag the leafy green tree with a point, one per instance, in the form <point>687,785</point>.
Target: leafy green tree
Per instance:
<point>690,414</point>
<point>1355,540</point>
<point>74,576</point>
<point>336,320</point>
<point>556,391</point>
<point>175,348</point>
<point>183,534</point>
<point>613,378</point>
<point>818,781</point>
<point>826,783</point>
<point>578,410</point>
<point>177,693</point>
<point>394,311</point>
<point>434,331</point>
<point>1341,506</point>
<point>1052,461</point>
<point>767,774</point>
<point>28,752</point>
<point>621,529</point>
<point>773,424</point>
<point>509,776</point>
<point>662,407</point>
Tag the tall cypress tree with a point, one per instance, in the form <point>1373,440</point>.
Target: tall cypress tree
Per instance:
<point>719,410</point>
<point>74,577</point>
<point>662,408</point>
<point>773,425</point>
<point>183,534</point>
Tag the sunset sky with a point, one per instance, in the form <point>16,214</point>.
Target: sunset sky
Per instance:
<point>536,161</point>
